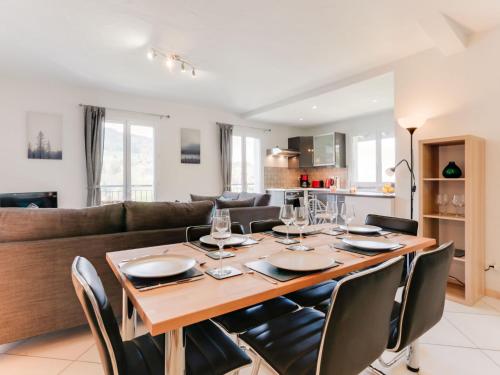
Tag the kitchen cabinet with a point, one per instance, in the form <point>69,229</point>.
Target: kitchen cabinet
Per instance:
<point>305,146</point>
<point>329,149</point>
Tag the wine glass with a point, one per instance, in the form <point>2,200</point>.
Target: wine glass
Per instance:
<point>286,216</point>
<point>332,211</point>
<point>442,201</point>
<point>301,219</point>
<point>221,231</point>
<point>348,214</point>
<point>221,212</point>
<point>458,202</point>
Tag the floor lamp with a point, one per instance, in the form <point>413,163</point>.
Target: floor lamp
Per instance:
<point>411,124</point>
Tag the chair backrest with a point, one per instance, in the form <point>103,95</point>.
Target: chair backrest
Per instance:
<point>357,323</point>
<point>315,206</point>
<point>95,303</point>
<point>194,233</point>
<point>264,225</point>
<point>394,224</point>
<point>424,296</point>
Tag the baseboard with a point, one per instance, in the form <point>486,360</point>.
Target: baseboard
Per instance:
<point>492,293</point>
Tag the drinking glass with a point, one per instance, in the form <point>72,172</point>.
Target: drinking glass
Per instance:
<point>458,202</point>
<point>221,212</point>
<point>348,214</point>
<point>332,211</point>
<point>301,219</point>
<point>221,231</point>
<point>442,201</point>
<point>286,216</point>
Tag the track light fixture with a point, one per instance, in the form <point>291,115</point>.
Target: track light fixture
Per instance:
<point>171,60</point>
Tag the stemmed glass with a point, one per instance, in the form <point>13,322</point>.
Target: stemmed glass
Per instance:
<point>221,212</point>
<point>332,211</point>
<point>301,219</point>
<point>442,201</point>
<point>348,214</point>
<point>458,201</point>
<point>286,216</point>
<point>221,231</point>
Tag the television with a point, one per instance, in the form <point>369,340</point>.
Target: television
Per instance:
<point>29,200</point>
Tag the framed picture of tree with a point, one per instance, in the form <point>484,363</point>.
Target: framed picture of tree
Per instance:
<point>44,132</point>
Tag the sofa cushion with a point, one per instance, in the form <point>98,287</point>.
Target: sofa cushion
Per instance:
<point>260,199</point>
<point>223,203</point>
<point>164,215</point>
<point>24,224</point>
<point>200,198</point>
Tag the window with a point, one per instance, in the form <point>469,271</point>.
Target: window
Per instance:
<point>128,162</point>
<point>246,164</point>
<point>372,155</point>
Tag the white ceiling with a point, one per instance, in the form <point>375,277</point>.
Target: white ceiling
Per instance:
<point>368,96</point>
<point>249,54</point>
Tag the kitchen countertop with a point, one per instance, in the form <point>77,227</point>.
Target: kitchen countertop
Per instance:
<point>338,192</point>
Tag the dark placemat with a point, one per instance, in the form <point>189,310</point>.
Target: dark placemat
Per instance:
<point>279,235</point>
<point>459,253</point>
<point>278,274</point>
<point>142,283</point>
<point>206,247</point>
<point>352,249</point>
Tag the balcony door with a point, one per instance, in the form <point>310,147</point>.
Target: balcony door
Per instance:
<point>129,161</point>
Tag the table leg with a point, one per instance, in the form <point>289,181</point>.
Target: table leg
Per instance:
<point>175,358</point>
<point>129,318</point>
<point>413,360</point>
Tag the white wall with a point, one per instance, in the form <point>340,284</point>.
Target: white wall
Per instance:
<point>367,124</point>
<point>460,94</point>
<point>174,180</point>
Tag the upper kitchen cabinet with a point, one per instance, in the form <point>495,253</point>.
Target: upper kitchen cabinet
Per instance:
<point>305,146</point>
<point>329,150</point>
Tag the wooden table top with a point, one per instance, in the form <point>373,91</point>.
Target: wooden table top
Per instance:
<point>175,306</point>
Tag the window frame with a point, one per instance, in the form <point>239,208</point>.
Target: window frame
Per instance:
<point>244,135</point>
<point>376,135</point>
<point>128,121</point>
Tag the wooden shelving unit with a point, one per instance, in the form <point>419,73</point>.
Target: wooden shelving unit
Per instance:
<point>466,281</point>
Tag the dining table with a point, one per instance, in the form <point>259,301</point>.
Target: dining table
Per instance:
<point>168,309</point>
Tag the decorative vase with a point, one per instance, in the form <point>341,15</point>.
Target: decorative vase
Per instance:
<point>452,171</point>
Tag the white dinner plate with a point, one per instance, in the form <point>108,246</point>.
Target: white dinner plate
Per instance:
<point>301,261</point>
<point>371,244</point>
<point>361,229</point>
<point>155,266</point>
<point>234,240</point>
<point>294,230</point>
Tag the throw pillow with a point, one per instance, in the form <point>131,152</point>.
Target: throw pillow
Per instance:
<point>200,198</point>
<point>221,203</point>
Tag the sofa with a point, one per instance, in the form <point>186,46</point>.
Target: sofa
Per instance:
<point>243,207</point>
<point>37,247</point>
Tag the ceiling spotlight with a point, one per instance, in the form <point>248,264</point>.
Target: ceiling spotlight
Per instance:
<point>193,73</point>
<point>315,107</point>
<point>183,67</point>
<point>151,54</point>
<point>169,62</point>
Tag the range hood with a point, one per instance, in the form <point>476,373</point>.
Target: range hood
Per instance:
<point>278,151</point>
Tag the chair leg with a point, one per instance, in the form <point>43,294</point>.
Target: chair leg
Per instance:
<point>256,366</point>
<point>413,359</point>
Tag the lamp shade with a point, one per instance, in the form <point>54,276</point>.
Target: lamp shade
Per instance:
<point>276,150</point>
<point>410,122</point>
<point>390,171</point>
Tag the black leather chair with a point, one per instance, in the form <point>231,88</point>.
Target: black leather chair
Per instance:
<point>260,226</point>
<point>306,297</point>
<point>208,349</point>
<point>422,304</point>
<point>239,321</point>
<point>194,233</point>
<point>345,341</point>
<point>396,225</point>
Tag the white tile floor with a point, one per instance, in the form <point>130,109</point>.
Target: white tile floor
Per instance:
<point>466,341</point>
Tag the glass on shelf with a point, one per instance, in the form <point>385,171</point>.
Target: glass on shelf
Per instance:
<point>458,201</point>
<point>442,201</point>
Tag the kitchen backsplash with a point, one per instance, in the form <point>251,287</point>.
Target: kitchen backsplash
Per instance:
<point>276,177</point>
